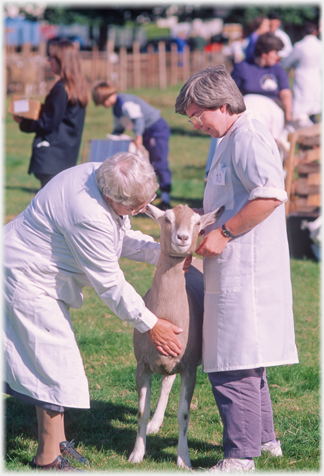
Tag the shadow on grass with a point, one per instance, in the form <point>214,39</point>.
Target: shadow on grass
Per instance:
<point>189,133</point>
<point>23,189</point>
<point>104,426</point>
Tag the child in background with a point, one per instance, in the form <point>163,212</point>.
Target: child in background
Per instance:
<point>150,130</point>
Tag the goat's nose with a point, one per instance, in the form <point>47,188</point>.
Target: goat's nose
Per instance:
<point>183,237</point>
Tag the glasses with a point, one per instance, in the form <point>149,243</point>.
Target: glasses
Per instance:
<point>140,210</point>
<point>196,121</point>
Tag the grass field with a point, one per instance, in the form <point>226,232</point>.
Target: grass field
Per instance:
<point>106,433</point>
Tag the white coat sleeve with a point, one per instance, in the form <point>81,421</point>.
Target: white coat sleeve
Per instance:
<point>94,248</point>
<point>258,166</point>
<point>140,247</point>
<point>292,60</point>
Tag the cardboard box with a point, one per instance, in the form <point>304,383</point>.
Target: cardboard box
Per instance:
<point>24,107</point>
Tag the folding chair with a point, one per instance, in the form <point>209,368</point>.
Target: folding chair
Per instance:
<point>101,149</point>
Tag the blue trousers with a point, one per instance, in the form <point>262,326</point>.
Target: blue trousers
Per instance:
<point>156,142</point>
<point>244,404</point>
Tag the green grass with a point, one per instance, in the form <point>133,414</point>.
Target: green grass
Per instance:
<point>106,433</point>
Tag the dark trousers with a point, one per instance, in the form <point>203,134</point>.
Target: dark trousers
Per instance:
<point>244,404</point>
<point>43,178</point>
<point>156,142</point>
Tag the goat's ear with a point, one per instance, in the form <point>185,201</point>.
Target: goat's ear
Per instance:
<point>211,217</point>
<point>154,212</point>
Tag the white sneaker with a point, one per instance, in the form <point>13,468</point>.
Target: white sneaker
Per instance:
<point>231,465</point>
<point>273,447</point>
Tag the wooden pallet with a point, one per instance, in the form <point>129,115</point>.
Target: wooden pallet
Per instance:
<point>303,172</point>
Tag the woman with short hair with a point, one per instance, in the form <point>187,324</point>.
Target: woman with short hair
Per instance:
<point>246,264</point>
<point>72,235</point>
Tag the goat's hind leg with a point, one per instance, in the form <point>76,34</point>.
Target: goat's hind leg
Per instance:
<point>143,382</point>
<point>188,381</point>
<point>157,419</point>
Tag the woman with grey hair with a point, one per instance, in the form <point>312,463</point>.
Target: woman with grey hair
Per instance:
<point>126,178</point>
<point>246,264</point>
<point>72,235</point>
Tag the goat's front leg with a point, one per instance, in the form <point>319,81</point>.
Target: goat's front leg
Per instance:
<point>143,382</point>
<point>188,381</point>
<point>157,419</point>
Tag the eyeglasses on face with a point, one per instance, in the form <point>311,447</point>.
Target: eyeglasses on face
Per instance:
<point>196,121</point>
<point>140,210</point>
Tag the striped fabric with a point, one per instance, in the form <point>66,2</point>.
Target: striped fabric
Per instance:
<point>100,149</point>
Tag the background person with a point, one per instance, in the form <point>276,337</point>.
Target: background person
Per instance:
<point>258,26</point>
<point>306,60</point>
<point>72,235</point>
<point>265,87</point>
<point>60,124</point>
<point>245,329</point>
<point>150,129</point>
<point>275,28</point>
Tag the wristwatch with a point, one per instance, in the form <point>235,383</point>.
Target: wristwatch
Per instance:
<point>226,232</point>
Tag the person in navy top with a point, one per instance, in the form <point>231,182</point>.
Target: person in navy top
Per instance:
<point>60,124</point>
<point>150,130</point>
<point>265,76</point>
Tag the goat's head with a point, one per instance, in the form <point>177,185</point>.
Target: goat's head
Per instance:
<point>180,227</point>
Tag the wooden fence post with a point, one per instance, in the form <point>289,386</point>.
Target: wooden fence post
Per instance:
<point>26,54</point>
<point>197,61</point>
<point>41,84</point>
<point>94,64</point>
<point>136,65</point>
<point>162,66</point>
<point>42,49</point>
<point>150,67</point>
<point>186,64</point>
<point>123,68</point>
<point>110,50</point>
<point>174,64</point>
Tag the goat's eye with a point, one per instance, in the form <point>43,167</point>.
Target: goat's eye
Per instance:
<point>198,224</point>
<point>166,220</point>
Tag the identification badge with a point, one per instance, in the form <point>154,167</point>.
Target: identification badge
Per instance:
<point>219,177</point>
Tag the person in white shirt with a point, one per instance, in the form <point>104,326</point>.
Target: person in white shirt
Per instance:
<point>246,264</point>
<point>275,24</point>
<point>72,235</point>
<point>306,60</point>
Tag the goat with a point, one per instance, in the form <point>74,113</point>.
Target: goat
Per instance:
<point>178,297</point>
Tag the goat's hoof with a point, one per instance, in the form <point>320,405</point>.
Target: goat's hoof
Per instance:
<point>135,457</point>
<point>183,464</point>
<point>152,429</point>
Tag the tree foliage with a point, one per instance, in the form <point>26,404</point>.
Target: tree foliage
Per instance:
<point>292,17</point>
<point>120,15</point>
<point>287,14</point>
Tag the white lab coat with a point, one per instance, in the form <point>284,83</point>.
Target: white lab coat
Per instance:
<point>248,320</point>
<point>267,112</point>
<point>306,59</point>
<point>67,238</point>
<point>286,50</point>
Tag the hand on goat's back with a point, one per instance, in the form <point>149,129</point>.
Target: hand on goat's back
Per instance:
<point>164,337</point>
